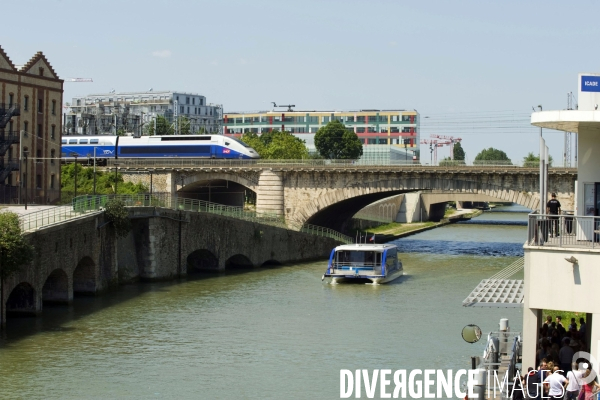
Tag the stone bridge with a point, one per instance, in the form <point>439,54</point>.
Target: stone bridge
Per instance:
<point>82,256</point>
<point>329,195</point>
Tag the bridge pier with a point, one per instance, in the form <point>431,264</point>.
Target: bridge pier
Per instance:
<point>270,194</point>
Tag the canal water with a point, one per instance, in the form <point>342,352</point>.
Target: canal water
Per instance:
<point>271,333</point>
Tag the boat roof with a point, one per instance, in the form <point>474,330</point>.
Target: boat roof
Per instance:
<point>365,247</point>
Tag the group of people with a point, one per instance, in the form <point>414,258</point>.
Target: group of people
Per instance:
<point>558,376</point>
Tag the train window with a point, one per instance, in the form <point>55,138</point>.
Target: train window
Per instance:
<point>64,141</point>
<point>227,143</point>
<point>72,141</point>
<point>83,141</point>
<point>187,137</point>
<point>93,141</point>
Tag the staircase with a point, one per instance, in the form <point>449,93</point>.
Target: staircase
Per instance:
<point>7,139</point>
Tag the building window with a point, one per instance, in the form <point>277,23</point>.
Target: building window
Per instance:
<point>38,181</point>
<point>11,99</point>
<point>201,102</point>
<point>26,126</point>
<point>53,132</point>
<point>39,132</point>
<point>39,155</point>
<point>193,100</point>
<point>40,105</point>
<point>52,156</point>
<point>41,71</point>
<point>188,109</point>
<point>52,181</point>
<point>383,141</point>
<point>181,109</point>
<point>53,107</point>
<point>187,100</point>
<point>26,103</point>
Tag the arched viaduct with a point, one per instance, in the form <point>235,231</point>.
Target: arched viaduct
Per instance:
<point>330,196</point>
<point>82,256</point>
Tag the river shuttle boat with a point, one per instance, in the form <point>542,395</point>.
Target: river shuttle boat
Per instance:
<point>378,263</point>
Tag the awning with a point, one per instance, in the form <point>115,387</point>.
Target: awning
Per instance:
<point>498,291</point>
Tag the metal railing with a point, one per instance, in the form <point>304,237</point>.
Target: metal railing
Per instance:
<point>83,205</point>
<point>551,230</point>
<point>153,163</point>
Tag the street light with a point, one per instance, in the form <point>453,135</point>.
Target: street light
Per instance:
<point>73,154</point>
<point>406,142</point>
<point>431,152</point>
<point>25,153</point>
<point>116,178</point>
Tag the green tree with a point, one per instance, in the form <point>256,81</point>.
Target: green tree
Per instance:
<point>335,141</point>
<point>280,145</point>
<point>491,156</point>
<point>105,182</point>
<point>458,152</point>
<point>163,127</point>
<point>121,132</point>
<point>531,160</point>
<point>115,213</point>
<point>184,126</point>
<point>14,249</point>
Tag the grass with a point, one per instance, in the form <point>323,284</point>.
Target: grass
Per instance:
<point>566,317</point>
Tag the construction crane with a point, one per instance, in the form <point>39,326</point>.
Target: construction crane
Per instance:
<point>433,145</point>
<point>79,80</point>
<point>447,140</point>
<point>289,106</point>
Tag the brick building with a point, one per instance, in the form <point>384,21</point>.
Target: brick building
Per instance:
<point>30,129</point>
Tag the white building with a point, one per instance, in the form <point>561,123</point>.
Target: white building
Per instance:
<point>563,272</point>
<point>133,112</point>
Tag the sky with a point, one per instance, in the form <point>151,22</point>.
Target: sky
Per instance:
<point>472,69</point>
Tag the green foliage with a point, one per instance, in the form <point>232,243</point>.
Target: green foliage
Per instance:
<point>458,152</point>
<point>14,250</point>
<point>492,154</point>
<point>335,141</point>
<point>531,160</point>
<point>276,145</point>
<point>184,126</point>
<point>163,127</point>
<point>105,182</point>
<point>121,132</point>
<point>447,162</point>
<point>116,214</point>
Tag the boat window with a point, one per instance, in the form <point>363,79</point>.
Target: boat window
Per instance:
<point>93,141</point>
<point>72,141</point>
<point>83,141</point>
<point>358,257</point>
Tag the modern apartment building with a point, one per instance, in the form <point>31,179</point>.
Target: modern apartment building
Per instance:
<point>30,130</point>
<point>391,130</point>
<point>133,113</point>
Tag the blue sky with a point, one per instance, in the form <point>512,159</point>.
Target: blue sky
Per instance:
<point>456,62</point>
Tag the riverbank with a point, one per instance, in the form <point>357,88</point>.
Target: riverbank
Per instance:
<point>397,230</point>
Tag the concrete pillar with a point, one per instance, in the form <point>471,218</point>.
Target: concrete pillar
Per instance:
<point>593,327</point>
<point>532,321</point>
<point>269,193</point>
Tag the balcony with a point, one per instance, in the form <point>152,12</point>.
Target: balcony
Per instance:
<point>563,232</point>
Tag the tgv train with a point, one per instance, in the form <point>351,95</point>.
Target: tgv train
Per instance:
<point>205,146</point>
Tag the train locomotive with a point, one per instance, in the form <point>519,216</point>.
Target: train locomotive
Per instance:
<point>182,146</point>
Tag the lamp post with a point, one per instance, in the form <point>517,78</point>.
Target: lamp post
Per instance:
<point>25,153</point>
<point>75,155</point>
<point>116,178</point>
<point>406,142</point>
<point>431,152</point>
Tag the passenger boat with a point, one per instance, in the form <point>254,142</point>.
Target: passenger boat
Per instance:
<point>378,263</point>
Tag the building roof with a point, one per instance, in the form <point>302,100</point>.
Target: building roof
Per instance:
<point>6,57</point>
<point>567,120</point>
<point>313,111</point>
<point>37,57</point>
<point>149,92</point>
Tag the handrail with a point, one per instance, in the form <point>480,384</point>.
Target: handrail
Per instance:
<point>145,163</point>
<point>552,230</point>
<point>83,205</point>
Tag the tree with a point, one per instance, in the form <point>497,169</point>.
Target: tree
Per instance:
<point>184,126</point>
<point>458,152</point>
<point>14,249</point>
<point>280,145</point>
<point>335,141</point>
<point>491,155</point>
<point>115,213</point>
<point>163,127</point>
<point>531,160</point>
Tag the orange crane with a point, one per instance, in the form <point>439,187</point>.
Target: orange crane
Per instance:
<point>433,145</point>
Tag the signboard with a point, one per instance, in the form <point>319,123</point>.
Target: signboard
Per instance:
<point>590,83</point>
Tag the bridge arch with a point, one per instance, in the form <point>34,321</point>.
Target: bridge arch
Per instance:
<point>84,277</point>
<point>218,187</point>
<point>22,300</point>
<point>335,207</point>
<point>56,288</point>
<point>238,261</point>
<point>202,260</point>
